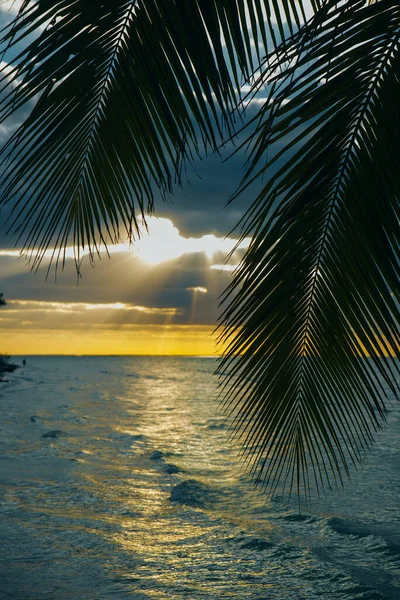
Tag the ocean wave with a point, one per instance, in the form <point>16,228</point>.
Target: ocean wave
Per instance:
<point>194,493</point>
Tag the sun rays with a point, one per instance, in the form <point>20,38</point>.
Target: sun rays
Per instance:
<point>156,295</point>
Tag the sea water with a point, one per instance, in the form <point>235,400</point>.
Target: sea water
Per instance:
<point>118,480</point>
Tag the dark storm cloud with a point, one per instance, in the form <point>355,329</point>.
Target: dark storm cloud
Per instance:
<point>197,208</point>
<point>200,206</point>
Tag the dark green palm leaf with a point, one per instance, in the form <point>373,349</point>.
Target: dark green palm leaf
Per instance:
<point>314,307</point>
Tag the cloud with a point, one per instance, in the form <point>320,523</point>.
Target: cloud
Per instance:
<point>79,307</point>
<point>7,69</point>
<point>10,7</point>
<point>200,289</point>
<point>159,242</point>
<point>229,268</point>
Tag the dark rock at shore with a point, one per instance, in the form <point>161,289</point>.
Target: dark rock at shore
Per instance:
<point>54,433</point>
<point>297,518</point>
<point>192,493</point>
<point>7,367</point>
<point>170,468</point>
<point>257,544</point>
<point>156,455</point>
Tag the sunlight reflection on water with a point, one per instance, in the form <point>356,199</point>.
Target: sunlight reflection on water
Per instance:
<point>88,513</point>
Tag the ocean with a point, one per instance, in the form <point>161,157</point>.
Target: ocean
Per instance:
<point>118,480</point>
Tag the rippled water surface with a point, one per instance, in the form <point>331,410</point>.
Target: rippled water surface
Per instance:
<point>117,481</point>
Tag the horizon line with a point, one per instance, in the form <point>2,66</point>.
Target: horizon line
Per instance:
<point>117,355</point>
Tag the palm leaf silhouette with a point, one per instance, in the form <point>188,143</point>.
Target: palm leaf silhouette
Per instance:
<point>315,314</point>
<point>125,93</point>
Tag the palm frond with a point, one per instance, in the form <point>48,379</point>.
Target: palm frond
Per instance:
<point>313,315</point>
<point>123,93</point>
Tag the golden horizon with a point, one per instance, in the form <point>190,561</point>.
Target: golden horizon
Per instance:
<point>138,340</point>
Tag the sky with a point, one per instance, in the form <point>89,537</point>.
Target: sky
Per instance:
<point>158,296</point>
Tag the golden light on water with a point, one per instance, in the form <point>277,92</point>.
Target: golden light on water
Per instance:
<point>174,540</point>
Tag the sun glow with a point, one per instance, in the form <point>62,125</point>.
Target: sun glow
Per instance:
<point>149,340</point>
<point>144,308</point>
<point>36,306</point>
<point>162,241</point>
<point>229,268</point>
<point>200,289</point>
